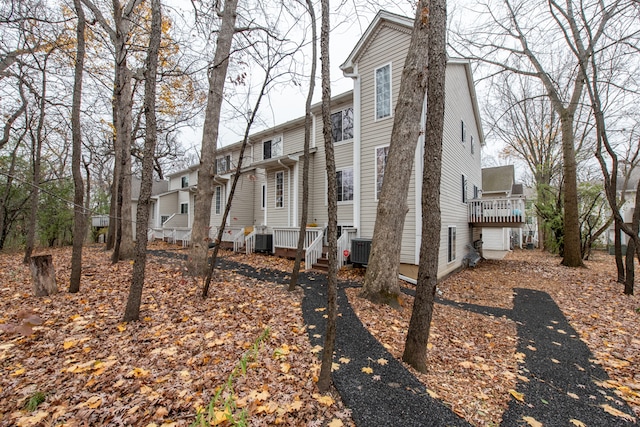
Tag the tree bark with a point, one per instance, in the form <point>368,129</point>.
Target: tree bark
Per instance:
<point>132,310</point>
<point>305,165</point>
<point>78,184</point>
<point>36,145</point>
<point>434,33</point>
<point>43,275</point>
<point>324,378</point>
<point>381,279</point>
<point>197,263</point>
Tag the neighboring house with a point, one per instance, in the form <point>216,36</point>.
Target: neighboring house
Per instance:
<point>499,212</point>
<point>157,187</point>
<point>267,204</point>
<point>627,209</point>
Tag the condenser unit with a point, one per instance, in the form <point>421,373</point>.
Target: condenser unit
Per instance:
<point>264,243</point>
<point>360,250</point>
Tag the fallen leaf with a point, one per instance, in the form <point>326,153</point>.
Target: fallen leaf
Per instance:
<point>617,413</point>
<point>382,361</point>
<point>335,423</point>
<point>324,400</point>
<point>532,421</point>
<point>519,396</point>
<point>577,423</point>
<point>344,360</point>
<point>367,370</point>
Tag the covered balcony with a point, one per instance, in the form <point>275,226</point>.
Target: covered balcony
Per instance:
<point>497,212</point>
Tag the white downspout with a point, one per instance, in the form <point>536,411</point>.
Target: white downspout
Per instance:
<point>357,113</point>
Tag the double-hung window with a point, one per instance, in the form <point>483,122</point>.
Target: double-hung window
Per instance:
<point>451,245</point>
<point>223,164</point>
<point>464,189</point>
<point>184,208</point>
<point>279,189</point>
<point>218,196</point>
<point>381,163</point>
<point>184,181</point>
<point>272,148</point>
<point>344,179</point>
<point>342,125</point>
<point>383,91</point>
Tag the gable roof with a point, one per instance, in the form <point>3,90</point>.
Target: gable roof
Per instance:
<point>350,68</point>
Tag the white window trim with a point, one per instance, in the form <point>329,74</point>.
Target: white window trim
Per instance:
<point>271,138</point>
<point>463,132</point>
<point>184,204</point>
<point>375,93</point>
<point>346,202</point>
<point>263,196</point>
<point>375,170</point>
<point>275,190</point>
<point>464,182</point>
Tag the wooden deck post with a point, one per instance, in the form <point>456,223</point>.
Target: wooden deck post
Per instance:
<point>43,275</point>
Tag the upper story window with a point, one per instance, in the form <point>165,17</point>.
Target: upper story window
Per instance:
<point>342,125</point>
<point>344,179</point>
<point>473,144</point>
<point>383,91</point>
<point>272,148</point>
<point>381,163</point>
<point>279,189</point>
<point>223,164</point>
<point>185,181</point>
<point>184,208</point>
<point>463,133</point>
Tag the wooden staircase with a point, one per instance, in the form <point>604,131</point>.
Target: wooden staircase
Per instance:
<point>322,265</point>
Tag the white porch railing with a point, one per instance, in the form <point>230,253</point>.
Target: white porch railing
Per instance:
<point>169,235</point>
<point>344,243</point>
<point>250,242</point>
<point>238,240</point>
<point>502,210</point>
<point>287,237</point>
<point>150,235</point>
<point>313,251</point>
<point>186,240</point>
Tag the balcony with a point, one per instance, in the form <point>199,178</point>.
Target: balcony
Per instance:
<point>499,212</point>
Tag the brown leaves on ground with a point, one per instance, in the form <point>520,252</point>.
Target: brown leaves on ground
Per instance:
<point>472,358</point>
<point>92,369</point>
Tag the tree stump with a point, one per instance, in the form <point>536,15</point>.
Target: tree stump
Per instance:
<point>43,275</point>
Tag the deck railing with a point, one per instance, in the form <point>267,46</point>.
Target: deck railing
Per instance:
<point>250,242</point>
<point>313,251</point>
<point>186,240</point>
<point>287,237</point>
<point>238,240</point>
<point>501,210</point>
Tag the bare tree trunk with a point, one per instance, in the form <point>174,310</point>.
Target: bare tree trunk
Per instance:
<point>433,33</point>
<point>78,197</point>
<point>324,378</point>
<point>381,279</point>
<point>132,311</point>
<point>236,177</point>
<point>36,162</point>
<point>206,173</point>
<point>305,165</point>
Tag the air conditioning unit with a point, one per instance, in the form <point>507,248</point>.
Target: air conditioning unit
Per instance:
<point>360,250</point>
<point>264,243</point>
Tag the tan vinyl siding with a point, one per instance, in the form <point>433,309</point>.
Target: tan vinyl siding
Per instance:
<point>388,46</point>
<point>457,160</point>
<point>168,204</point>
<point>278,217</point>
<point>343,154</point>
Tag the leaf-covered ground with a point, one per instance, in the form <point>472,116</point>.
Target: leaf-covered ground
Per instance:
<point>88,368</point>
<point>472,357</point>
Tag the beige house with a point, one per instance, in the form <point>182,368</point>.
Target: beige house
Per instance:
<point>267,205</point>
